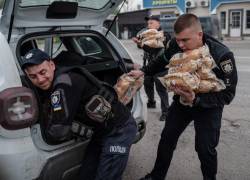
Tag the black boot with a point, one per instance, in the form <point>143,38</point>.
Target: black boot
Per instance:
<point>147,177</point>
<point>209,178</point>
<point>151,104</point>
<point>163,116</point>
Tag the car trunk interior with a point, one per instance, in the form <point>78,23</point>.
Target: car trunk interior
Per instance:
<point>83,49</point>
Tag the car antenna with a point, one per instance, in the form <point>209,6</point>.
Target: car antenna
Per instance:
<point>110,26</point>
<point>11,21</point>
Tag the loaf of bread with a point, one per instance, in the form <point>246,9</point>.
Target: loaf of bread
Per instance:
<point>122,86</point>
<point>192,66</point>
<point>153,43</point>
<point>181,58</point>
<point>186,80</point>
<point>210,85</point>
<point>152,38</point>
<point>192,70</point>
<point>208,62</point>
<point>148,32</point>
<point>205,73</point>
<point>126,87</point>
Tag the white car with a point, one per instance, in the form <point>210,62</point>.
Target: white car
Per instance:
<point>71,33</point>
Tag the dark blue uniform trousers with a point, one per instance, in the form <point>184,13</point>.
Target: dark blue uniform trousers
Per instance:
<point>149,82</point>
<point>106,157</point>
<point>207,123</point>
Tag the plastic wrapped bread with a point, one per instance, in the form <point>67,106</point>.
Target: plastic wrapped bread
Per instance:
<point>194,68</point>
<point>182,58</point>
<point>152,38</point>
<point>205,73</point>
<point>154,43</point>
<point>186,80</point>
<point>126,87</point>
<point>207,62</point>
<point>211,85</point>
<point>195,55</point>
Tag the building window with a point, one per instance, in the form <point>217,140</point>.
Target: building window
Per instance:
<point>236,19</point>
<point>248,19</point>
<point>223,20</point>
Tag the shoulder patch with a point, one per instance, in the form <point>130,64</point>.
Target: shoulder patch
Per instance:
<point>227,66</point>
<point>56,101</point>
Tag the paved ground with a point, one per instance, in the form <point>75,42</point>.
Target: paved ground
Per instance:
<point>234,146</point>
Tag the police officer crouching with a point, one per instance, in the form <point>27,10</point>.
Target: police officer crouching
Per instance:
<point>68,94</point>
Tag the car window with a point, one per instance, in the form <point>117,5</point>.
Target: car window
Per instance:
<point>89,45</point>
<point>95,47</point>
<point>72,50</point>
<point>93,4</point>
<point>40,43</point>
<point>58,46</point>
<point>52,45</point>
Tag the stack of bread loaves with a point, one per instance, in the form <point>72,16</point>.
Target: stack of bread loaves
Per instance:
<point>126,87</point>
<point>192,70</point>
<point>152,38</point>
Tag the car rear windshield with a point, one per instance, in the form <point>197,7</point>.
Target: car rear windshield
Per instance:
<point>92,4</point>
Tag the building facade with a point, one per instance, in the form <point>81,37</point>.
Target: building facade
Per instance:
<point>165,8</point>
<point>233,15</point>
<point>130,23</point>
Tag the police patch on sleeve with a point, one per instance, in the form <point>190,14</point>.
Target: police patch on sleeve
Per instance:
<point>56,101</point>
<point>227,66</point>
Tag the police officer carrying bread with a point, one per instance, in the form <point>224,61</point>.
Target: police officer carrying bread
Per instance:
<point>150,54</point>
<point>71,94</point>
<point>206,108</point>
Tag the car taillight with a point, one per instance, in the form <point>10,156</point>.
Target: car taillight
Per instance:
<point>18,108</point>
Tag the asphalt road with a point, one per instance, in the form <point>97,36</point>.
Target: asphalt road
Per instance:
<point>234,146</point>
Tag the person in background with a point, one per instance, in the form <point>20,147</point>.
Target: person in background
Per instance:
<point>206,108</point>
<point>150,54</point>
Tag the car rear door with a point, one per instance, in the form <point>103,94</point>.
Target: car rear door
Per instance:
<point>23,16</point>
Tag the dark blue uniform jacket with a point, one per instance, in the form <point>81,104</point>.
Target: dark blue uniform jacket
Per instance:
<point>225,70</point>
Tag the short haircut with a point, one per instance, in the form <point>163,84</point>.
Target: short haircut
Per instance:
<point>186,21</point>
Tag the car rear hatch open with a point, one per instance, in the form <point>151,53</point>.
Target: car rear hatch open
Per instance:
<point>18,15</point>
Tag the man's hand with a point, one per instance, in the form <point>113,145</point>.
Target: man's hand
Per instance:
<point>136,40</point>
<point>136,73</point>
<point>136,66</point>
<point>186,94</point>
